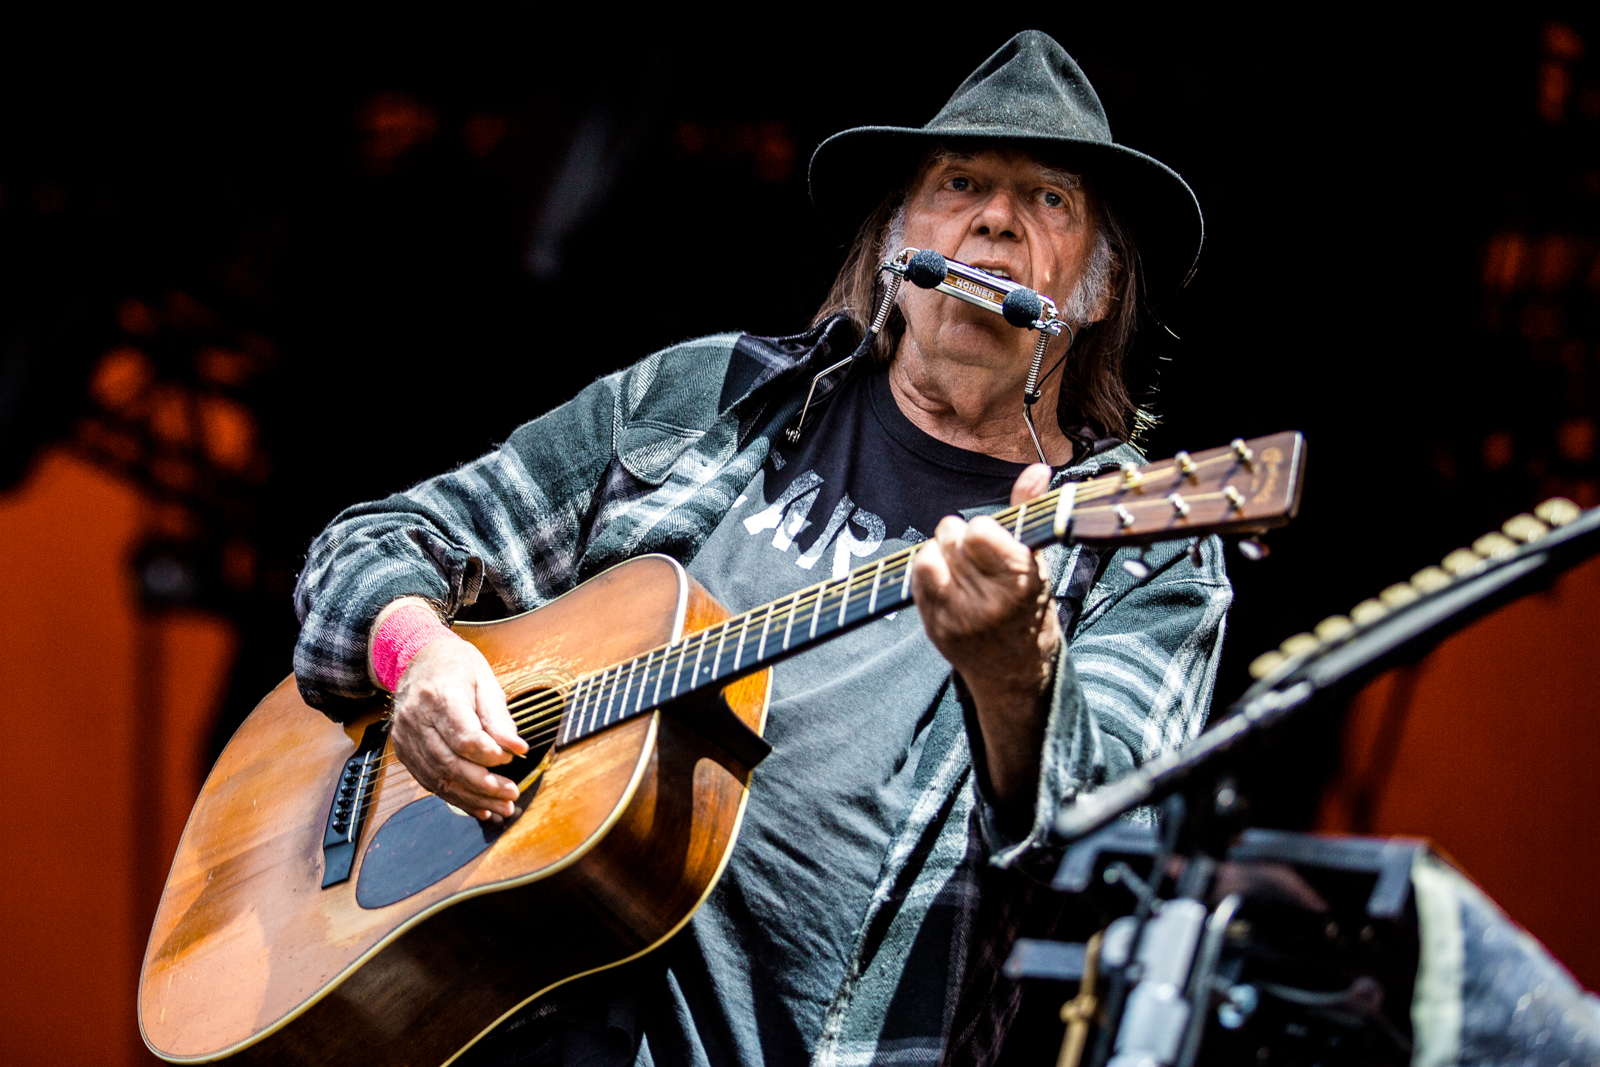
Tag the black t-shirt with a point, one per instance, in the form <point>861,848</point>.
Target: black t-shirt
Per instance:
<point>750,978</point>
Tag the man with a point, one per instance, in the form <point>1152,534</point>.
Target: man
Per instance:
<point>915,752</point>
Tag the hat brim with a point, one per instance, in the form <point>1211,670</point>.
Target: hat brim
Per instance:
<point>851,172</point>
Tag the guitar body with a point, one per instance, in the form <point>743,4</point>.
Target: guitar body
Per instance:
<point>622,836</point>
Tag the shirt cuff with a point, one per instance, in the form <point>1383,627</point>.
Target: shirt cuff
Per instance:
<point>1009,842</point>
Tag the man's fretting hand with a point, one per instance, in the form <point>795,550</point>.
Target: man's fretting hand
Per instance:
<point>450,724</point>
<point>986,605</point>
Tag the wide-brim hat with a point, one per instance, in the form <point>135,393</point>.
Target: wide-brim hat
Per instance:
<point>1030,94</point>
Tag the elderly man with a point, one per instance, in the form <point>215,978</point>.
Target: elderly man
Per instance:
<point>909,754</point>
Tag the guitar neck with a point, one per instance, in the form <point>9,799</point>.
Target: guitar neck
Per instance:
<point>763,636</point>
<point>1186,496</point>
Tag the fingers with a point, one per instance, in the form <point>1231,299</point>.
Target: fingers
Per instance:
<point>992,549</point>
<point>450,724</point>
<point>464,783</point>
<point>1031,483</point>
<point>493,716</point>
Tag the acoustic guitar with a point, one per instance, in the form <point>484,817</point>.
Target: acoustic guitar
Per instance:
<point>323,908</point>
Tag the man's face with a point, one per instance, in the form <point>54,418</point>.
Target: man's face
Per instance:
<point>1006,213</point>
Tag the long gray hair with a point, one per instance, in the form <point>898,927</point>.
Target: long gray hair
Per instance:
<point>1092,386</point>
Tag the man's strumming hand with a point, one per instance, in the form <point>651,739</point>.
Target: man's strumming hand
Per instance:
<point>450,724</point>
<point>986,605</point>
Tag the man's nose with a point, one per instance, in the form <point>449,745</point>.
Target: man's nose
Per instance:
<point>997,216</point>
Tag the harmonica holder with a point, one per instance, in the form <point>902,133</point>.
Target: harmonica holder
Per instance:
<point>1016,303</point>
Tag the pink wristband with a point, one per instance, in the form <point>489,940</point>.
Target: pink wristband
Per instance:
<point>403,634</point>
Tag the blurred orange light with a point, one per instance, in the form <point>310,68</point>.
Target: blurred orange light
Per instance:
<point>395,123</point>
<point>122,374</point>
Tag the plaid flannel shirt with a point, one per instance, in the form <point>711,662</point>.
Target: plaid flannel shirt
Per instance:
<point>649,460</point>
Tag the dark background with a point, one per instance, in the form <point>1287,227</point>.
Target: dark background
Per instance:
<point>273,267</point>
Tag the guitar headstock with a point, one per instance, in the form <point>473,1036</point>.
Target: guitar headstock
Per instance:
<point>1246,487</point>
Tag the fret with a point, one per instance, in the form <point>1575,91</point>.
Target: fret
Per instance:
<point>766,627</point>
<point>877,578</point>
<point>611,698</point>
<point>1021,511</point>
<point>816,609</point>
<point>596,692</point>
<point>574,709</point>
<point>739,650</point>
<point>583,704</point>
<point>644,683</point>
<point>844,601</point>
<point>794,605</point>
<point>716,660</point>
<point>694,675</point>
<point>622,705</point>
<point>588,701</point>
<point>661,675</point>
<point>683,650</point>
<point>905,585</point>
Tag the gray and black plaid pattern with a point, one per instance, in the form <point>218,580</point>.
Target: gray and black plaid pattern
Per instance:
<point>650,460</point>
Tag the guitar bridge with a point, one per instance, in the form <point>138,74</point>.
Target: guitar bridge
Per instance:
<point>351,799</point>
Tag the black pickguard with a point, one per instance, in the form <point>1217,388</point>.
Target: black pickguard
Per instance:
<point>425,841</point>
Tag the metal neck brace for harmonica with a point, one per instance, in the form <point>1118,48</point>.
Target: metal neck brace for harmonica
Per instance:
<point>1016,303</point>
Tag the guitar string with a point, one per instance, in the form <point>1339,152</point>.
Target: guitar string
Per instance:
<point>540,719</point>
<point>859,592</point>
<point>822,590</point>
<point>541,712</point>
<point>543,706</point>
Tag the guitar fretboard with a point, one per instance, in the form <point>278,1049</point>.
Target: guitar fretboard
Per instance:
<point>1182,497</point>
<point>745,643</point>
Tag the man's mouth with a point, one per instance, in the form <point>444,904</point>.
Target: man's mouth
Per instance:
<point>996,269</point>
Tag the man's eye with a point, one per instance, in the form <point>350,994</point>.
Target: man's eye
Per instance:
<point>1054,199</point>
<point>960,185</point>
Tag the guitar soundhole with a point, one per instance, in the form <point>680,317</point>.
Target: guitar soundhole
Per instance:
<point>428,839</point>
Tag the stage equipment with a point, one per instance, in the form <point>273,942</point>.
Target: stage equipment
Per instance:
<point>1270,947</point>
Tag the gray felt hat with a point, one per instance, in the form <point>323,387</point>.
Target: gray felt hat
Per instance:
<point>1030,93</point>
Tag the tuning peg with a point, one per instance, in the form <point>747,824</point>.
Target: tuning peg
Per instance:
<point>1398,595</point>
<point>1557,511</point>
<point>1332,628</point>
<point>1266,663</point>
<point>1137,567</point>
<point>1430,579</point>
<point>1195,555</point>
<point>1494,545</point>
<point>1368,612</point>
<point>1242,450</point>
<point>1299,644</point>
<point>1524,528</point>
<point>1131,478</point>
<point>1461,562</point>
<point>1254,549</point>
